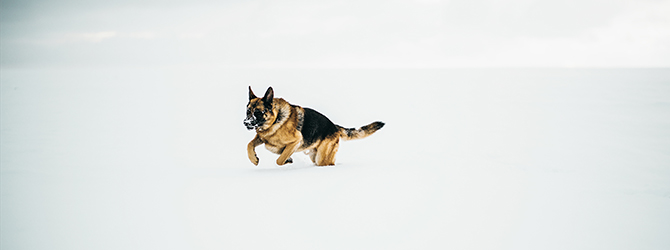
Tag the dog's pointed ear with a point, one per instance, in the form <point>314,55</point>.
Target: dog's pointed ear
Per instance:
<point>251,94</point>
<point>269,95</point>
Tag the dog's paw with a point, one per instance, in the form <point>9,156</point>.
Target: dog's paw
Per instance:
<point>289,160</point>
<point>254,160</point>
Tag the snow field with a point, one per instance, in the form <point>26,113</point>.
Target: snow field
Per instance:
<point>468,159</point>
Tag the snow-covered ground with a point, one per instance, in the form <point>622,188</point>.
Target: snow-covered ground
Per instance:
<point>469,159</point>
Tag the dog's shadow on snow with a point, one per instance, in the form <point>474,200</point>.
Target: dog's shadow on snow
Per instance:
<point>291,167</point>
<point>299,166</point>
<point>299,163</point>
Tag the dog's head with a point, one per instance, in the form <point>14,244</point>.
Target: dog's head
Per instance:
<point>260,113</point>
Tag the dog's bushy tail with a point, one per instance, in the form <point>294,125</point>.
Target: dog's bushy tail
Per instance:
<point>365,131</point>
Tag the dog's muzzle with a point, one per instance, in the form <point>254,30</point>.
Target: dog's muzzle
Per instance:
<point>251,123</point>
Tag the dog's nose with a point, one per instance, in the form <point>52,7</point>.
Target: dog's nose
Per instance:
<point>249,123</point>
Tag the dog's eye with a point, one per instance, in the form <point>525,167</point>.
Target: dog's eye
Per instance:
<point>258,113</point>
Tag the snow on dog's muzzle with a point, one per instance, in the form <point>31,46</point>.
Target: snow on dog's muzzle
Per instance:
<point>250,123</point>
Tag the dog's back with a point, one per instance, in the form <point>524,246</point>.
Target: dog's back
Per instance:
<point>316,127</point>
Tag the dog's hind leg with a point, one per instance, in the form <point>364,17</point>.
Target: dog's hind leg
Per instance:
<point>312,155</point>
<point>325,153</point>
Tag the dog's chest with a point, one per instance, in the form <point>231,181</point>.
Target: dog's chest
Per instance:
<point>274,146</point>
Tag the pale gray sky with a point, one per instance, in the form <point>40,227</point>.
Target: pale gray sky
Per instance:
<point>349,34</point>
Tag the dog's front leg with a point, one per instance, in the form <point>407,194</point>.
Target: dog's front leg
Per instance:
<point>288,151</point>
<point>251,149</point>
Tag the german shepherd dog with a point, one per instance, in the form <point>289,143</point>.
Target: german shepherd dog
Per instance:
<point>285,129</point>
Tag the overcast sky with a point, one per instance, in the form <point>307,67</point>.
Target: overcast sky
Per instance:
<point>349,34</point>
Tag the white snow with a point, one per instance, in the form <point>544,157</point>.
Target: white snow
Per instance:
<point>112,158</point>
